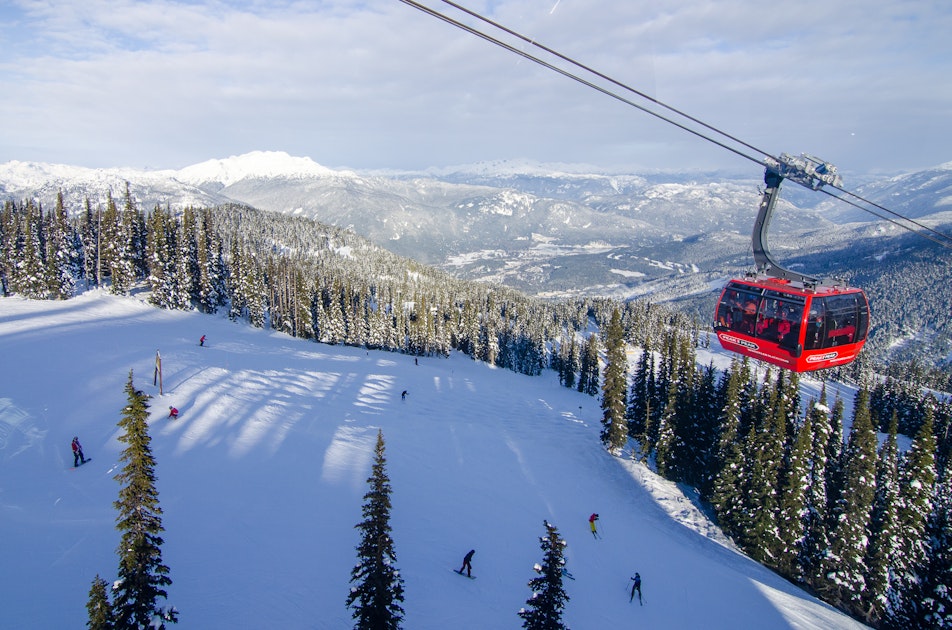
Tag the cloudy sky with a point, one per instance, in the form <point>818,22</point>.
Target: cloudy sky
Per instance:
<point>865,84</point>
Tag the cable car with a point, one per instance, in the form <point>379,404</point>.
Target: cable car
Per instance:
<point>795,328</point>
<point>785,318</point>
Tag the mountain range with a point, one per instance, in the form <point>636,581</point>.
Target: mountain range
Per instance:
<point>548,230</point>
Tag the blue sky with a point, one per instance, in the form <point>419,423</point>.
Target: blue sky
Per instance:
<point>378,84</point>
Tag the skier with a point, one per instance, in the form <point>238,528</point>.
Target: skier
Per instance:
<point>591,522</point>
<point>636,586</point>
<point>173,412</point>
<point>201,341</point>
<point>403,396</point>
<point>467,564</point>
<point>77,452</point>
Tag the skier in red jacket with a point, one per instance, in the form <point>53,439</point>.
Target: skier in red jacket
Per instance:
<point>173,412</point>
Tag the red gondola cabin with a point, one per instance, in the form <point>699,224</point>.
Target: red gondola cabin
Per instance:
<point>799,329</point>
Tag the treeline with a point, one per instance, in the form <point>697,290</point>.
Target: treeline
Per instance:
<point>290,274</point>
<point>867,527</point>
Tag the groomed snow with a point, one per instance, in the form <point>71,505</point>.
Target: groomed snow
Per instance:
<point>262,480</point>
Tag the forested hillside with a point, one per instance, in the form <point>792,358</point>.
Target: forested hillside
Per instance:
<point>802,488</point>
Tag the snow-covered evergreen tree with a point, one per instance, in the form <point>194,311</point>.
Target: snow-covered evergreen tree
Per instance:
<point>883,529</point>
<point>917,478</point>
<point>844,562</point>
<point>793,509</point>
<point>815,541</point>
<point>29,274</point>
<point>936,586</point>
<point>614,387</point>
<point>376,586</point>
<point>143,577</point>
<point>544,607</point>
<point>588,379</point>
<point>60,256</point>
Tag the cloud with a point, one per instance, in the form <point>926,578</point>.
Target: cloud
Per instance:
<point>376,83</point>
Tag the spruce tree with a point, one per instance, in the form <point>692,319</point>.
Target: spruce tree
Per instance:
<point>98,607</point>
<point>614,387</point>
<point>573,362</point>
<point>29,276</point>
<point>142,575</point>
<point>544,607</point>
<point>639,402</point>
<point>60,255</point>
<point>728,425</point>
<point>792,517</point>
<point>936,586</point>
<point>377,588</point>
<point>844,563</point>
<point>883,529</point>
<point>917,483</point>
<point>89,236</point>
<point>588,378</point>
<point>815,535</point>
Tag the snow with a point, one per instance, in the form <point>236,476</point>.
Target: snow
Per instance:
<point>255,164</point>
<point>262,478</point>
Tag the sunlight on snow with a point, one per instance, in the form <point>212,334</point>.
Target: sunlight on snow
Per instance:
<point>348,456</point>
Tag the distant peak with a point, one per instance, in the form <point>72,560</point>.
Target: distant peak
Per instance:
<point>256,164</point>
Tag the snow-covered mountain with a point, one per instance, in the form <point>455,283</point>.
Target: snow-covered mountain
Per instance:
<point>255,165</point>
<point>42,182</point>
<point>914,195</point>
<point>544,229</point>
<point>262,477</point>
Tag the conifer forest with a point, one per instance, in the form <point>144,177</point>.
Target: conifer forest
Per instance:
<point>855,506</point>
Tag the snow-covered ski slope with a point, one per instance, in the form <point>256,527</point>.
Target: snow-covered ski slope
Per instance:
<point>262,480</point>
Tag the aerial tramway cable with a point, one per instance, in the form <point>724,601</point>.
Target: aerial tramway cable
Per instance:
<point>924,231</point>
<point>583,81</point>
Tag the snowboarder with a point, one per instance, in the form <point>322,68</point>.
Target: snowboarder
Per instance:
<point>77,452</point>
<point>591,523</point>
<point>467,563</point>
<point>173,412</point>
<point>201,341</point>
<point>403,396</point>
<point>636,586</point>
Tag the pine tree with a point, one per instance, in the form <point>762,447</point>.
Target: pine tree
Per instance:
<point>844,563</point>
<point>916,486</point>
<point>702,436</point>
<point>728,502</point>
<point>548,599</point>
<point>936,587</point>
<point>573,362</point>
<point>89,240</point>
<point>792,518</point>
<point>159,258</point>
<point>377,588</point>
<point>60,255</point>
<point>588,378</point>
<point>815,540</point>
<point>615,387</point>
<point>883,529</point>
<point>639,401</point>
<point>142,575</point>
<point>98,607</point>
<point>29,277</point>
<point>726,436</point>
<point>125,259</point>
